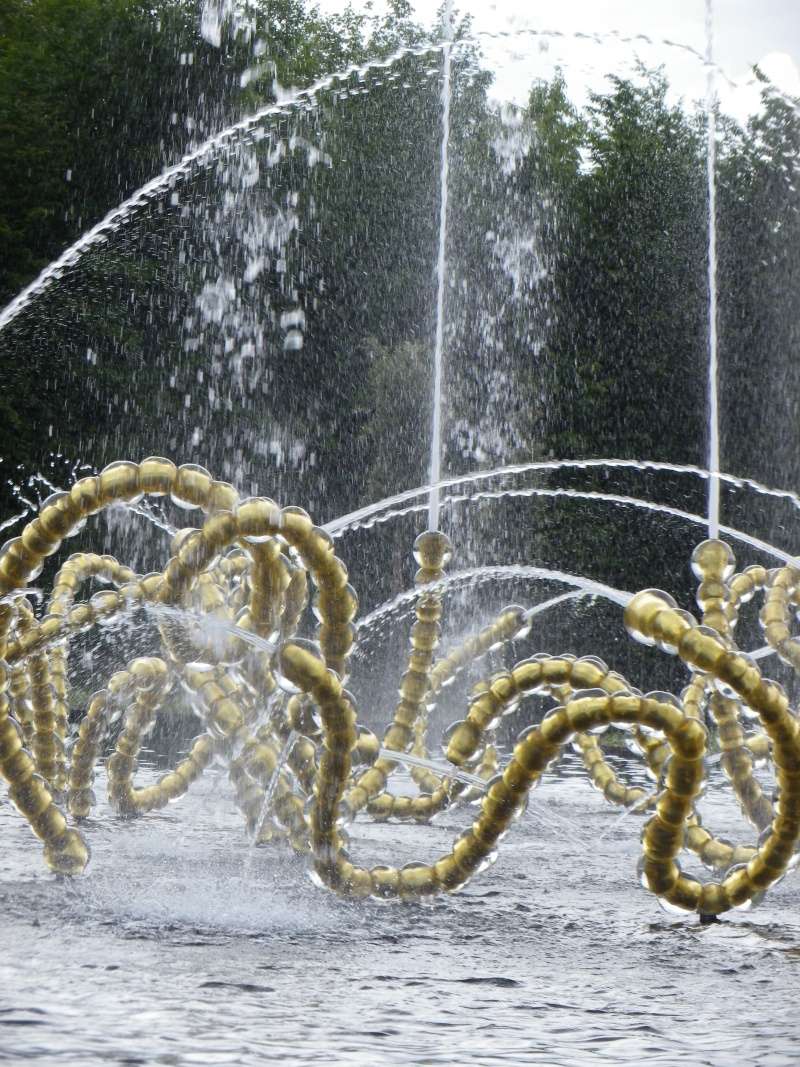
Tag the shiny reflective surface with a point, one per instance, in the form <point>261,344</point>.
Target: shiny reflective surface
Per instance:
<point>182,945</point>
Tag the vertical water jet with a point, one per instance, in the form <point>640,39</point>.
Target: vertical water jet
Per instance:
<point>436,433</point>
<point>713,384</point>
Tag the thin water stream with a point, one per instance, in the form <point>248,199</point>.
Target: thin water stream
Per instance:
<point>204,153</point>
<point>441,274</point>
<point>360,518</point>
<point>713,313</point>
<point>272,785</point>
<point>238,132</point>
<point>384,510</point>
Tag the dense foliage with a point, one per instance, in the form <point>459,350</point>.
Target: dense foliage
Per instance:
<point>576,301</point>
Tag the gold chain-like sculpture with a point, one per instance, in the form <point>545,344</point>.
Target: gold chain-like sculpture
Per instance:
<point>276,711</point>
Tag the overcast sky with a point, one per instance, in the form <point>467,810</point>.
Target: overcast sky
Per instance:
<point>745,32</point>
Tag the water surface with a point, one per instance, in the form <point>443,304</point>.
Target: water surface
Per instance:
<point>182,946</point>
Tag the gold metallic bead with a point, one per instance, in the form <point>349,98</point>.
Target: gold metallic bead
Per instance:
<point>713,558</point>
<point>203,749</point>
<point>701,650</point>
<point>258,518</point>
<point>660,876</point>
<point>193,486</point>
<point>262,762</point>
<point>220,529</point>
<point>402,807</point>
<point>119,482</point>
<point>80,618</point>
<point>448,874</point>
<point>68,854</point>
<point>686,894</point>
<point>302,663</point>
<point>689,739</point>
<point>668,627</point>
<point>425,635</point>
<point>59,516</point>
<point>385,881</point>
<point>225,717</point>
<point>414,685</point>
<point>717,620</point>
<point>527,675</point>
<point>17,563</point>
<point>105,603</point>
<point>31,796</point>
<point>157,476</point>
<point>338,639</point>
<point>172,785</point>
<point>120,765</point>
<point>49,824</point>
<point>296,523</point>
<point>711,592</point>
<point>17,767</point>
<point>685,777</point>
<point>641,612</point>
<point>463,743</point>
<point>417,880</point>
<point>661,840</point>
<point>673,809</point>
<point>81,801</point>
<point>713,899</point>
<point>222,497</point>
<point>380,808</point>
<point>429,609</point>
<point>38,541</point>
<point>151,586</point>
<point>195,553</point>
<point>556,728</point>
<point>10,741</point>
<point>50,630</point>
<point>87,496</point>
<point>738,887</point>
<point>337,606</point>
<point>433,550</point>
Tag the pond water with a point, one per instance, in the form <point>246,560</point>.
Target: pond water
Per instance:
<point>183,946</point>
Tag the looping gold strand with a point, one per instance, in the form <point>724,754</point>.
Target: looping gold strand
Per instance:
<point>276,712</point>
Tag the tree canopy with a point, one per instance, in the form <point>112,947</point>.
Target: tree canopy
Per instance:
<point>291,282</point>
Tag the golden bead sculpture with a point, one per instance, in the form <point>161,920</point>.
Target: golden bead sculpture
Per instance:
<point>276,712</point>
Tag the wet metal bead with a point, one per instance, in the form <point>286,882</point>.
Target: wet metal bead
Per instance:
<point>157,476</point>
<point>118,482</point>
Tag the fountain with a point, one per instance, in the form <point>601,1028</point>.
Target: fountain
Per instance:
<point>276,711</point>
<point>419,771</point>
<point>233,646</point>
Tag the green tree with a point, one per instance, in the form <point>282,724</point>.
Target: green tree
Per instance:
<point>620,317</point>
<point>759,272</point>
<point>633,278</point>
<point>97,96</point>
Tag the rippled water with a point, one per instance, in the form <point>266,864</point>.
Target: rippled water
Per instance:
<point>182,946</point>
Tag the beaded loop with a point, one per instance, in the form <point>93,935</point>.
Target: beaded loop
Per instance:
<point>230,604</point>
